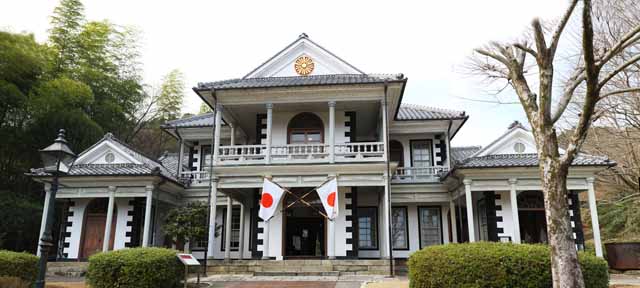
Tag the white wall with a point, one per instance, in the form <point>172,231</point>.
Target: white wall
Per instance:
<point>414,230</point>
<point>77,222</point>
<point>281,122</point>
<point>405,140</point>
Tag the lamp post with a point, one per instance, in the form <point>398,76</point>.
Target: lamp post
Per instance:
<point>57,159</point>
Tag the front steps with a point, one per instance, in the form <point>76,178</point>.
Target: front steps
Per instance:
<point>67,269</point>
<point>305,267</point>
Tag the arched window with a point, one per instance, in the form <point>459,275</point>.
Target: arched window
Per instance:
<point>396,152</point>
<point>305,128</point>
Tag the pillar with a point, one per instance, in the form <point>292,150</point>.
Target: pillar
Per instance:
<point>233,134</point>
<point>513,195</point>
<point>469,198</point>
<point>331,238</point>
<point>241,236</point>
<point>146,234</point>
<point>216,139</point>
<point>332,128</point>
<point>107,227</point>
<point>180,158</point>
<point>454,224</point>
<point>227,229</point>
<point>384,230</point>
<point>385,137</point>
<point>265,241</point>
<point>45,214</point>
<point>269,128</point>
<point>213,202</point>
<point>593,209</point>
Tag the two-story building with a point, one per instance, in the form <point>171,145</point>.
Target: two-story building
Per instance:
<point>301,117</point>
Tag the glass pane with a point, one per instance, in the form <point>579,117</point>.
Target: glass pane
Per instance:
<point>297,137</point>
<point>367,234</point>
<point>314,137</point>
<point>399,228</point>
<point>421,153</point>
<point>430,226</point>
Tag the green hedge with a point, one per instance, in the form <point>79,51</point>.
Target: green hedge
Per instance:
<point>137,267</point>
<point>487,264</point>
<point>20,265</point>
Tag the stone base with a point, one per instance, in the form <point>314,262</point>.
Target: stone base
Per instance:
<point>310,267</point>
<point>67,269</point>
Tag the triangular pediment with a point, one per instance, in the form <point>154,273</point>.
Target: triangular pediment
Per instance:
<point>283,63</point>
<point>107,151</point>
<point>517,140</point>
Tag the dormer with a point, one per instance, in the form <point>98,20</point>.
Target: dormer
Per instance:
<point>517,140</point>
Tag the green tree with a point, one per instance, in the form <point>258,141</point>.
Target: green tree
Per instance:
<point>171,96</point>
<point>66,23</point>
<point>187,223</point>
<point>204,109</point>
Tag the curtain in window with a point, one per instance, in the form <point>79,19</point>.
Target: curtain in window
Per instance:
<point>399,231</point>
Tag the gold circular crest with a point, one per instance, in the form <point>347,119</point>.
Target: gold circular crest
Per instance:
<point>304,65</point>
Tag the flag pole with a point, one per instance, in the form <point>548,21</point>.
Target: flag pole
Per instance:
<point>298,198</point>
<point>314,189</point>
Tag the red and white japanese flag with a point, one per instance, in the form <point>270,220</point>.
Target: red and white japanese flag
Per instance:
<point>271,194</point>
<point>328,193</point>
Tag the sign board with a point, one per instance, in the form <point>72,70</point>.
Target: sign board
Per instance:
<point>188,259</point>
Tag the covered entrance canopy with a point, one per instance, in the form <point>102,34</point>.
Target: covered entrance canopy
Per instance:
<point>304,228</point>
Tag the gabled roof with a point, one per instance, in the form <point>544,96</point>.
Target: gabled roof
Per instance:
<point>515,133</point>
<point>290,81</point>
<point>420,112</point>
<point>301,46</point>
<point>131,162</point>
<point>203,120</point>
<point>459,154</point>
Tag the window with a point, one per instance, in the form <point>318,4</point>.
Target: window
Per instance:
<point>205,157</point>
<point>430,224</point>
<point>235,229</point>
<point>306,128</point>
<point>483,221</point>
<point>396,152</point>
<point>421,153</point>
<point>368,228</point>
<point>519,147</point>
<point>399,228</point>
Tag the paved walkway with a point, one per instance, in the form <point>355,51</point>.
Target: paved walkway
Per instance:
<point>624,279</point>
<point>248,281</point>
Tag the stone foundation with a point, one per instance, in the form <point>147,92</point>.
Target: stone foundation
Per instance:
<point>300,267</point>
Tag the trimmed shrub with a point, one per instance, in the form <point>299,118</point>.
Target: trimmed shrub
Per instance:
<point>136,267</point>
<point>488,264</point>
<point>19,265</point>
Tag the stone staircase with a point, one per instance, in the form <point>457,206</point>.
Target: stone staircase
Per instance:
<point>67,269</point>
<point>307,267</point>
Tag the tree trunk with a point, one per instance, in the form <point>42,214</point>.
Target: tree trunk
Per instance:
<point>565,268</point>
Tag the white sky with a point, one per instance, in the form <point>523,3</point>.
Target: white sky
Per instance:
<point>428,41</point>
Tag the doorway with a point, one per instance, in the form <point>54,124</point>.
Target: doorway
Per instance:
<point>93,228</point>
<point>305,229</point>
<point>533,223</point>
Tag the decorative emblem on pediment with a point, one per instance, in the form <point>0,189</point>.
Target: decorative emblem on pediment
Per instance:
<point>304,65</point>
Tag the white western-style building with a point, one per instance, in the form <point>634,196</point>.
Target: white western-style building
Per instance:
<point>299,118</point>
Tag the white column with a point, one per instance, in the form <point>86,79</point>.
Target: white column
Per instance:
<point>454,224</point>
<point>265,241</point>
<point>212,217</point>
<point>269,127</point>
<point>233,134</point>
<point>107,227</point>
<point>331,238</point>
<point>593,209</point>
<point>45,214</point>
<point>386,238</point>
<point>332,129</point>
<point>180,158</point>
<point>146,234</point>
<point>216,141</point>
<point>513,195</point>
<point>227,229</point>
<point>241,236</point>
<point>385,140</point>
<point>470,222</point>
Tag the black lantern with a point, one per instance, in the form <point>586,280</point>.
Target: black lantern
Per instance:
<point>57,159</point>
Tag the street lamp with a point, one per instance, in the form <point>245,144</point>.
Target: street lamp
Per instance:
<point>57,159</point>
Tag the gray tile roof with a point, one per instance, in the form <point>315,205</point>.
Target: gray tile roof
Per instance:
<point>313,80</point>
<point>204,120</point>
<point>420,112</point>
<point>148,166</point>
<point>527,160</point>
<point>170,161</point>
<point>458,154</point>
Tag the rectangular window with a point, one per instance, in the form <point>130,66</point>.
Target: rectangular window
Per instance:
<point>430,226</point>
<point>421,153</point>
<point>483,221</point>
<point>235,229</point>
<point>368,228</point>
<point>399,228</point>
<point>205,157</point>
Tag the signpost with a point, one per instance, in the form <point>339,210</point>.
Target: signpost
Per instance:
<point>188,260</point>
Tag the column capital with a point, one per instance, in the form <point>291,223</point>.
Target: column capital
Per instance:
<point>591,180</point>
<point>513,181</point>
<point>269,105</point>
<point>219,107</point>
<point>467,181</point>
<point>332,103</point>
<point>112,190</point>
<point>383,102</point>
<point>148,188</point>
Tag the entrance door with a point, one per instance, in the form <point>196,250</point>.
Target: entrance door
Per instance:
<point>93,230</point>
<point>304,233</point>
<point>533,223</point>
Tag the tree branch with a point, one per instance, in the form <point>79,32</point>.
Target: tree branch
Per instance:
<point>621,91</point>
<point>619,69</point>
<point>631,37</point>
<point>493,56</point>
<point>555,39</point>
<point>574,82</point>
<point>524,48</point>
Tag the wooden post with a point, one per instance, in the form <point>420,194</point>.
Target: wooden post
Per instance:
<point>107,227</point>
<point>227,229</point>
<point>269,134</point>
<point>469,198</point>
<point>593,210</point>
<point>212,217</point>
<point>513,195</point>
<point>332,128</point>
<point>147,217</point>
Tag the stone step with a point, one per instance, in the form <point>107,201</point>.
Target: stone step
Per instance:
<point>67,269</point>
<point>306,273</point>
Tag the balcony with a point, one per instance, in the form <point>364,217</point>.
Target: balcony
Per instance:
<point>300,154</point>
<point>419,174</point>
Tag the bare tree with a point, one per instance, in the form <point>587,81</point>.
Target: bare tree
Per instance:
<point>601,56</point>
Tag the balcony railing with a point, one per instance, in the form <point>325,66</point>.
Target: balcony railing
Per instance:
<point>419,174</point>
<point>195,177</point>
<point>301,153</point>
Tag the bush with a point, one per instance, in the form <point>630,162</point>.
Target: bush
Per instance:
<point>137,267</point>
<point>19,265</point>
<point>486,264</point>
